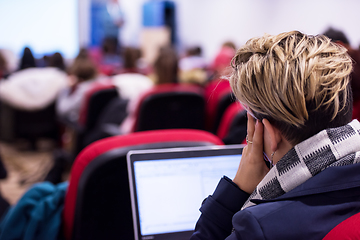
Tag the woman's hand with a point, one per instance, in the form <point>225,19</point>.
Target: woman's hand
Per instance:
<point>252,167</point>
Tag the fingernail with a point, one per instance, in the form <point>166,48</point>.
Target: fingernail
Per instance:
<point>257,122</point>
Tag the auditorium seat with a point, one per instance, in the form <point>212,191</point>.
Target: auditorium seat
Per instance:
<point>97,203</point>
<point>95,101</point>
<point>169,106</point>
<point>346,230</point>
<point>32,125</point>
<point>218,96</point>
<point>233,125</point>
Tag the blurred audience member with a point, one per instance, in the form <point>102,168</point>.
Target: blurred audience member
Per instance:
<point>110,51</point>
<point>165,72</point>
<point>57,60</point>
<point>130,81</point>
<point>166,66</point>
<point>83,54</point>
<point>82,74</point>
<point>33,88</point>
<point>221,64</point>
<point>12,61</point>
<point>193,59</point>
<point>107,58</point>
<point>193,67</point>
<point>27,59</point>
<point>340,38</point>
<point>131,57</point>
<point>3,67</point>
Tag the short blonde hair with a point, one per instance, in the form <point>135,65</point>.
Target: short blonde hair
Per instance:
<point>278,76</point>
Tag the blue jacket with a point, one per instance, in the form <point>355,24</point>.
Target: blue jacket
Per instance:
<point>309,211</point>
<point>37,215</point>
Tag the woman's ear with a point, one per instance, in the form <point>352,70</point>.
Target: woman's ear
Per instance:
<point>274,134</point>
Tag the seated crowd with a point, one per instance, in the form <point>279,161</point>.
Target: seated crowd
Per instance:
<point>302,98</point>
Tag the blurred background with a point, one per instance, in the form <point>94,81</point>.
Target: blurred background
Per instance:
<point>65,25</point>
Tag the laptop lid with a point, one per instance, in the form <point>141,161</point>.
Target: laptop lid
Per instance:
<point>167,187</point>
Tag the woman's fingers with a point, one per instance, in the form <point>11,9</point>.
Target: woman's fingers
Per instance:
<point>252,167</point>
<point>250,127</point>
<point>258,138</point>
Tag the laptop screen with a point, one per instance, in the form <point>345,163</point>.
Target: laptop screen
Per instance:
<point>169,185</point>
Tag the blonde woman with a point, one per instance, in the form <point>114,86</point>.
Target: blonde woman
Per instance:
<point>297,93</point>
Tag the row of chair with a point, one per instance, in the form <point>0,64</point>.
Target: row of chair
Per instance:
<point>182,99</point>
<point>166,106</point>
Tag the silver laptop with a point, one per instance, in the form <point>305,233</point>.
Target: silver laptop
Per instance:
<point>167,187</point>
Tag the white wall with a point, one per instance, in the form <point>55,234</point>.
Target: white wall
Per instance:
<point>45,26</point>
<point>211,22</point>
<point>84,22</point>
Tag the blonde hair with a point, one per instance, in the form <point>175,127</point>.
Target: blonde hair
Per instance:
<point>279,76</point>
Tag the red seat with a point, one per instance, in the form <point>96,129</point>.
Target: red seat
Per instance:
<point>95,99</point>
<point>97,203</point>
<point>170,106</point>
<point>228,118</point>
<point>218,96</point>
<point>348,229</point>
<point>94,102</point>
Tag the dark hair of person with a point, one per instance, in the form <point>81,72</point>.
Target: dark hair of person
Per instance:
<point>110,45</point>
<point>3,64</point>
<point>336,35</point>
<point>83,54</point>
<point>27,60</point>
<point>194,51</point>
<point>83,69</point>
<point>166,66</point>
<point>229,44</point>
<point>131,55</point>
<point>56,60</point>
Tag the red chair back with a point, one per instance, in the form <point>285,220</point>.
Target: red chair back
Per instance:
<point>228,118</point>
<point>346,230</point>
<point>218,96</point>
<point>97,204</point>
<point>170,106</point>
<point>104,92</point>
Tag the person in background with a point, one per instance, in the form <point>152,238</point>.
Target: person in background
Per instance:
<point>33,88</point>
<point>27,60</point>
<point>11,60</point>
<point>165,72</point>
<point>57,60</point>
<point>110,57</point>
<point>166,67</point>
<point>131,80</point>
<point>131,57</point>
<point>131,84</point>
<point>82,74</point>
<point>3,67</point>
<point>193,67</point>
<point>340,38</point>
<point>116,19</point>
<point>220,66</point>
<point>296,89</point>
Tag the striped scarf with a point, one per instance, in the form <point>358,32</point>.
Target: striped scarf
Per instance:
<point>331,147</point>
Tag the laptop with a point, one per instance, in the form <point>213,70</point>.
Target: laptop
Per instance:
<point>167,187</point>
